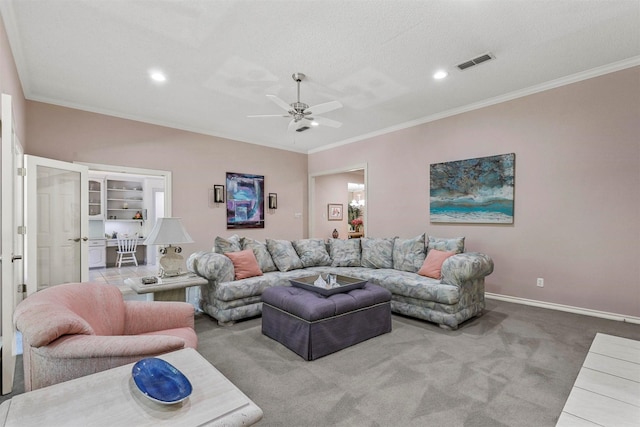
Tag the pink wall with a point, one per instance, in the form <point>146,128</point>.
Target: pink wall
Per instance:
<point>10,84</point>
<point>577,203</point>
<point>196,161</point>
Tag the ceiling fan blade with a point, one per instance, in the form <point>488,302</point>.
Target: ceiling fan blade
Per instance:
<point>280,103</point>
<point>270,115</point>
<point>327,122</point>
<point>324,108</point>
<point>292,125</point>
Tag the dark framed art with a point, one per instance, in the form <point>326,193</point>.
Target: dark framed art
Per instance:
<point>245,200</point>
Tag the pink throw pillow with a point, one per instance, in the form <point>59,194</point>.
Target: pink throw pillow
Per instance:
<point>432,265</point>
<point>245,264</point>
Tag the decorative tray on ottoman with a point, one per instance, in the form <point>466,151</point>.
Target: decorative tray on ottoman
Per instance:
<point>345,284</point>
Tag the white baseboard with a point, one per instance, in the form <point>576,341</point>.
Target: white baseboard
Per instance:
<point>567,308</point>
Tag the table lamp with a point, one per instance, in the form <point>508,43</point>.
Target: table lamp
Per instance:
<point>168,232</point>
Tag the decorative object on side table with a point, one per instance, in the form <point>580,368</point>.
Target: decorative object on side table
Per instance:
<point>160,381</point>
<point>169,232</point>
<point>335,233</point>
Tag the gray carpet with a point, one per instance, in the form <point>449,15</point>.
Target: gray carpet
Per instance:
<point>514,366</point>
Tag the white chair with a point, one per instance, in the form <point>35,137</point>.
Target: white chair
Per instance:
<point>127,250</point>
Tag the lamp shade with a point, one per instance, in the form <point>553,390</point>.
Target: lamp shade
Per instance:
<point>168,231</point>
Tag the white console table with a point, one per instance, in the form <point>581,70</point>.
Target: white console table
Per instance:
<point>111,398</point>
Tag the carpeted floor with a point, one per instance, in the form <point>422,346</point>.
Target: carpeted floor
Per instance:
<point>514,366</point>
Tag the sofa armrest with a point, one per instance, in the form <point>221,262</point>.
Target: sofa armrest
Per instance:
<point>212,266</point>
<point>150,316</point>
<point>465,267</point>
<point>105,347</point>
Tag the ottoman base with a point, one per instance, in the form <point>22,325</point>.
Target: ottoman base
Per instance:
<point>317,338</point>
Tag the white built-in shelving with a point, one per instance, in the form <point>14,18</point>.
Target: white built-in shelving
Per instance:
<point>125,201</point>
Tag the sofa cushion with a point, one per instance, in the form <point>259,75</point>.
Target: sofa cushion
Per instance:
<point>253,286</point>
<point>415,286</point>
<point>245,264</point>
<point>408,254</point>
<point>312,252</point>
<point>377,253</point>
<point>345,253</point>
<point>261,252</point>
<point>433,263</point>
<point>284,255</point>
<point>447,245</point>
<point>222,245</point>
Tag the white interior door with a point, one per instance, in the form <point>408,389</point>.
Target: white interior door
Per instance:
<point>12,242</point>
<point>57,223</point>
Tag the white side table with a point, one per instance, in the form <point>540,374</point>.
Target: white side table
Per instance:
<point>167,288</point>
<point>111,398</point>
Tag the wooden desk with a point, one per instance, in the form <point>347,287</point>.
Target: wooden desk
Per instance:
<point>111,398</point>
<point>167,288</point>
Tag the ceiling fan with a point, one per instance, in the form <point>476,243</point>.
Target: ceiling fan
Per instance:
<point>299,111</point>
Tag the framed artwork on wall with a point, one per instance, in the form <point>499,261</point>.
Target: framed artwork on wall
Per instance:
<point>477,190</point>
<point>245,200</point>
<point>334,212</point>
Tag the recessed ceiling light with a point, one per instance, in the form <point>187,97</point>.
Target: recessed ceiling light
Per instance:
<point>440,75</point>
<point>314,123</point>
<point>158,76</point>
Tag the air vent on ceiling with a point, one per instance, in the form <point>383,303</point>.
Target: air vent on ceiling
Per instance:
<point>475,61</point>
<point>302,129</point>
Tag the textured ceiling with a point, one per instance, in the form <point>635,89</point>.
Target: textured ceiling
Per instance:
<point>376,57</point>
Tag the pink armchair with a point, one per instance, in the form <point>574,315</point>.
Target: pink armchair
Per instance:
<point>77,329</point>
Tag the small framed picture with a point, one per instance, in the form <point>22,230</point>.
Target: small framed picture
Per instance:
<point>334,212</point>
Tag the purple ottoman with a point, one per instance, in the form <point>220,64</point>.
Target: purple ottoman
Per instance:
<point>313,325</point>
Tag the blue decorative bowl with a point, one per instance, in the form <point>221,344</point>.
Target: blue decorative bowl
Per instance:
<point>160,381</point>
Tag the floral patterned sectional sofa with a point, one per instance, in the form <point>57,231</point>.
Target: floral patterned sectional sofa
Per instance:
<point>430,278</point>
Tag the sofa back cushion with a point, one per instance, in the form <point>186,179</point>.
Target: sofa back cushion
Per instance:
<point>409,254</point>
<point>261,253</point>
<point>245,264</point>
<point>284,255</point>
<point>231,244</point>
<point>344,253</point>
<point>312,252</point>
<point>377,253</point>
<point>432,266</point>
<point>455,244</point>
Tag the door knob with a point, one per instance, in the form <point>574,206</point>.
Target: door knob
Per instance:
<point>84,239</point>
<point>77,239</point>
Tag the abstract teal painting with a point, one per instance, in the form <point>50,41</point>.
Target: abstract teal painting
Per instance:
<point>473,191</point>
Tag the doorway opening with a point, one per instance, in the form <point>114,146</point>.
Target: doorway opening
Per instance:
<point>331,187</point>
<point>132,200</point>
